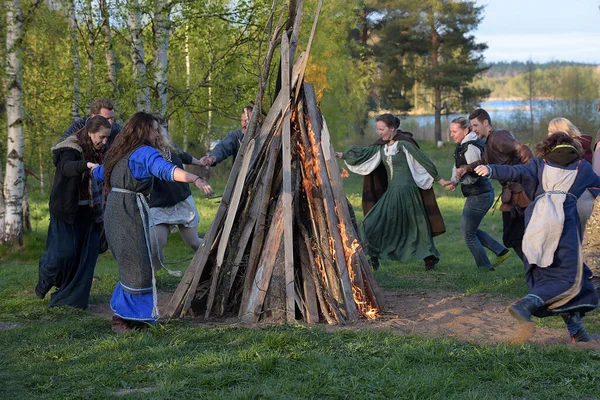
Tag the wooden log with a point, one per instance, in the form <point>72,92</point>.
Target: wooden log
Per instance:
<point>252,311</point>
<point>315,276</point>
<point>231,214</point>
<point>274,306</point>
<point>309,290</point>
<point>295,30</point>
<point>308,46</point>
<point>264,197</point>
<point>317,212</point>
<point>359,264</point>
<point>286,154</point>
<point>332,219</point>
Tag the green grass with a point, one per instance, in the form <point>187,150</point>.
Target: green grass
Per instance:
<point>66,353</point>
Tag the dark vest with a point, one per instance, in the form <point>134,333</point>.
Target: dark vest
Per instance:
<point>482,184</point>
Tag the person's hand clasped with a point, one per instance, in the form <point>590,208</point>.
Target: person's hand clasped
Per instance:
<point>448,185</point>
<point>207,161</point>
<point>482,170</point>
<point>91,165</point>
<point>204,186</point>
<point>460,172</point>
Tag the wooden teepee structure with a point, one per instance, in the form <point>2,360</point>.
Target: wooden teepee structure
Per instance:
<point>284,242</point>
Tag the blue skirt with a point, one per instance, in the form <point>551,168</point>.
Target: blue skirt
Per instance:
<point>135,307</point>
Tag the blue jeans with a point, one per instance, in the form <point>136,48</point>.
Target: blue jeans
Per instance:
<point>477,240</point>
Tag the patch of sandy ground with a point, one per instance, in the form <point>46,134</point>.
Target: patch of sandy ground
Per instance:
<point>475,318</point>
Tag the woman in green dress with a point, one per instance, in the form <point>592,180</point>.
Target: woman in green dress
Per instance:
<point>397,227</point>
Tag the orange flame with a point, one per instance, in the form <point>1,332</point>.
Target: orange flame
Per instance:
<point>364,305</point>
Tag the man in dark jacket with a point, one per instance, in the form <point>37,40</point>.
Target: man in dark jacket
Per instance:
<point>503,148</point>
<point>230,144</point>
<point>103,107</point>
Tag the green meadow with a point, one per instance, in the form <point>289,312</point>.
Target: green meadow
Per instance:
<point>64,353</point>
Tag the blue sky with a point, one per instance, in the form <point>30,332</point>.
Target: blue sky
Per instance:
<point>541,30</point>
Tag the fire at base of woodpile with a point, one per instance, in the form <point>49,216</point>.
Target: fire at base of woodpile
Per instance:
<point>284,244</point>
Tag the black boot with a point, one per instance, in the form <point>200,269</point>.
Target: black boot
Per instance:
<point>42,288</point>
<point>375,263</point>
<point>583,336</point>
<point>523,308</point>
<point>522,311</point>
<point>430,262</point>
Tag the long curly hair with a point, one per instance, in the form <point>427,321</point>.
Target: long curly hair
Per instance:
<point>138,131</point>
<point>92,125</point>
<point>543,148</point>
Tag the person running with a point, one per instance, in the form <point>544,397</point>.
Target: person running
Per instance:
<point>479,194</point>
<point>128,174</point>
<point>501,147</point>
<point>555,272</point>
<point>397,227</point>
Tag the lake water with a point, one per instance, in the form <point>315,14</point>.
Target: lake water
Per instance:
<point>501,111</point>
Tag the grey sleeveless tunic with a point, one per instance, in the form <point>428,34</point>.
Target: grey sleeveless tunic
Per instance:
<point>125,231</point>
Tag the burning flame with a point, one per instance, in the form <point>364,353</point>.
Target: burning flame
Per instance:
<point>362,302</point>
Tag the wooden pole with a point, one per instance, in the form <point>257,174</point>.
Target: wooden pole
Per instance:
<point>286,150</point>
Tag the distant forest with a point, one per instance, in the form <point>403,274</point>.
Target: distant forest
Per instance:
<point>558,80</point>
<point>513,68</point>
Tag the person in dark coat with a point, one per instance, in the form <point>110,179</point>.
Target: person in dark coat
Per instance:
<point>128,173</point>
<point>479,195</point>
<point>556,275</point>
<point>76,214</point>
<point>230,144</point>
<point>586,201</point>
<point>503,148</point>
<point>103,107</point>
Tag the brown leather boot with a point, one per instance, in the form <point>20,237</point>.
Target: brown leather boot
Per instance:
<point>119,325</point>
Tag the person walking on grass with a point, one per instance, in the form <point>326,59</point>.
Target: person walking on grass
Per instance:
<point>398,226</point>
<point>479,194</point>
<point>555,272</point>
<point>76,215</point>
<point>128,174</point>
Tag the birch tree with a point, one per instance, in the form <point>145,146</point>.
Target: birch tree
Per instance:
<point>76,97</point>
<point>162,31</point>
<point>137,57</point>
<point>14,179</point>
<point>109,53</point>
<point>91,48</point>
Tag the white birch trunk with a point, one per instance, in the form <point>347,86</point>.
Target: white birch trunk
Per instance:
<point>138,57</point>
<point>91,30</point>
<point>14,179</point>
<point>162,22</point>
<point>186,120</point>
<point>2,206</point>
<point>109,53</point>
<point>210,102</point>
<point>75,102</point>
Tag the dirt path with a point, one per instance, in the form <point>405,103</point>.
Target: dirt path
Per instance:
<point>478,318</point>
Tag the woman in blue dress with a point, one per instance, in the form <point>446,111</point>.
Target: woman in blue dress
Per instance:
<point>556,275</point>
<point>130,167</point>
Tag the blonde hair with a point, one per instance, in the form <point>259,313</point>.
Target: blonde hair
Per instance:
<point>563,125</point>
